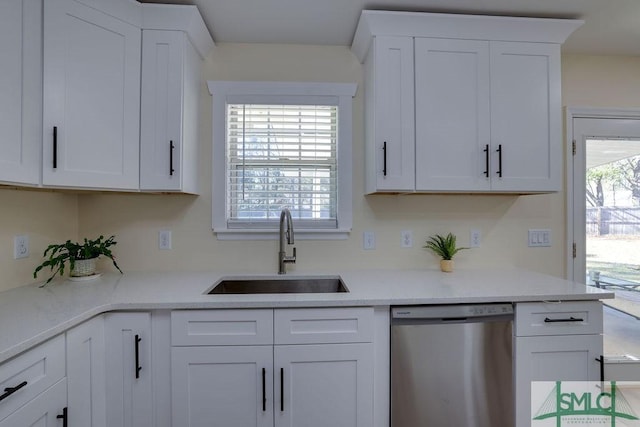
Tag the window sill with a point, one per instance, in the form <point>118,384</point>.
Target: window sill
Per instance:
<point>268,234</point>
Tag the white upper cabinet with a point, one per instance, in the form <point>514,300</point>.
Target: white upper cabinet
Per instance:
<point>100,130</point>
<point>171,82</point>
<point>526,114</point>
<point>174,42</point>
<point>452,114</point>
<point>389,130</point>
<point>91,98</point>
<point>487,113</point>
<point>20,91</point>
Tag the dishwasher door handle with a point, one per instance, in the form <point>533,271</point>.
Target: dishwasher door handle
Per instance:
<point>570,319</point>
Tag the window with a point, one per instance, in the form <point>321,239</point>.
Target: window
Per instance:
<point>281,145</point>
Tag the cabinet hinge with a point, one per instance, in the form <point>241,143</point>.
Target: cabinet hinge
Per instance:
<point>574,250</point>
<point>573,147</point>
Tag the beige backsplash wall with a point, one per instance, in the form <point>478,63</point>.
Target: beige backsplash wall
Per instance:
<point>46,217</point>
<point>503,220</point>
<point>598,81</point>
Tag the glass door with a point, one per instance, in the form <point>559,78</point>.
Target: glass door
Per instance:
<point>606,217</point>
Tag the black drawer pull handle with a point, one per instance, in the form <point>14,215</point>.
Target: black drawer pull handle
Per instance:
<point>281,389</point>
<point>486,160</point>
<point>264,390</point>
<point>499,151</point>
<point>55,147</point>
<point>64,417</point>
<point>601,360</point>
<point>171,148</point>
<point>570,319</point>
<point>384,159</point>
<point>138,367</point>
<point>10,390</point>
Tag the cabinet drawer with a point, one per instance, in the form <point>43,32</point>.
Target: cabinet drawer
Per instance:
<point>565,318</point>
<point>40,367</point>
<point>221,327</point>
<point>323,325</point>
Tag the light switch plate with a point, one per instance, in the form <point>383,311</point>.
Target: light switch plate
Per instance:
<point>539,237</point>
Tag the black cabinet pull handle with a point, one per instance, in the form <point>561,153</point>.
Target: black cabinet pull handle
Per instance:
<point>570,319</point>
<point>171,169</point>
<point>10,390</point>
<point>601,360</point>
<point>64,417</point>
<point>384,159</point>
<point>486,160</point>
<point>499,151</point>
<point>281,389</point>
<point>264,390</point>
<point>138,367</point>
<point>55,147</point>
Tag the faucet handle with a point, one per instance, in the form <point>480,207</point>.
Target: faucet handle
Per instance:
<point>292,258</point>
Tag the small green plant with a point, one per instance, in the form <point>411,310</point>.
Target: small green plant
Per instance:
<point>444,247</point>
<point>59,254</point>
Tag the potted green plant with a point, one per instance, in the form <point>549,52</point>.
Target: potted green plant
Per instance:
<point>445,247</point>
<point>81,257</point>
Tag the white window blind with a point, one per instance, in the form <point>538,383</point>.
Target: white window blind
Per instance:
<point>281,156</point>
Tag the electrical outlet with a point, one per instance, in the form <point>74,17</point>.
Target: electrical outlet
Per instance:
<point>474,238</point>
<point>164,239</point>
<point>21,246</point>
<point>406,239</point>
<point>369,240</point>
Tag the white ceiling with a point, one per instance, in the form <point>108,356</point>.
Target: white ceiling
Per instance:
<point>612,26</point>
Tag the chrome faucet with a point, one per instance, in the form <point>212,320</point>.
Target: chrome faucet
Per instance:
<point>283,259</point>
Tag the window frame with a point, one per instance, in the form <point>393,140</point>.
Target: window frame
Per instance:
<point>229,92</point>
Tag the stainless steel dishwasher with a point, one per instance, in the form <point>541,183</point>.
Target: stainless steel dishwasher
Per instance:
<point>451,365</point>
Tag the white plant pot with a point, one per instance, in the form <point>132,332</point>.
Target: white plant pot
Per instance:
<point>84,267</point>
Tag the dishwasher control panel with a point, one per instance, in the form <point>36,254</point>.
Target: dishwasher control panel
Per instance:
<point>461,311</point>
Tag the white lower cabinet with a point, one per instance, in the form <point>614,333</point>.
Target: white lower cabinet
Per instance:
<point>86,374</point>
<point>324,385</point>
<point>25,377</point>
<point>128,366</point>
<point>303,384</point>
<point>49,409</point>
<point>558,342</point>
<point>222,386</point>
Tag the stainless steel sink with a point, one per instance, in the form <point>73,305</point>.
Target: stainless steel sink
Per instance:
<point>280,285</point>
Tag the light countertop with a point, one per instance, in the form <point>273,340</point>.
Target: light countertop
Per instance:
<point>30,315</point>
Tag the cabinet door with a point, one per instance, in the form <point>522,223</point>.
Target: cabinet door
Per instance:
<point>86,378</point>
<point>222,386</point>
<point>43,411</point>
<point>526,116</point>
<point>324,385</point>
<point>452,115</point>
<point>552,358</point>
<point>20,90</point>
<point>161,116</point>
<point>128,362</point>
<point>91,98</point>
<point>390,100</point>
